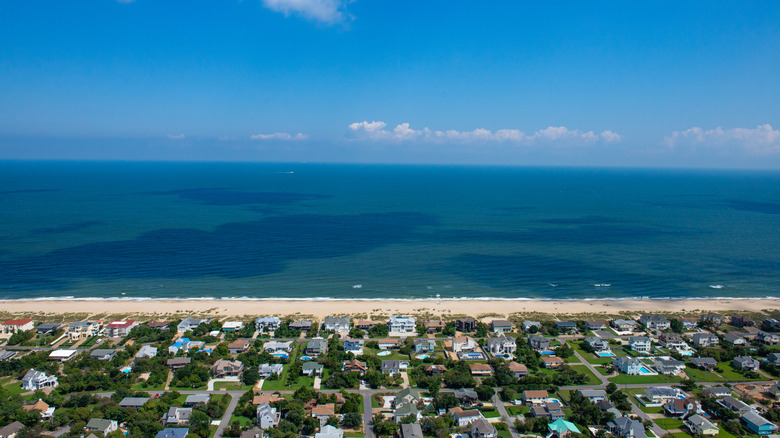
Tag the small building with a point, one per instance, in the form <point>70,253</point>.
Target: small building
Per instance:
<point>716,391</point>
<point>232,326</point>
<point>227,368</point>
<point>594,395</point>
<point>767,338</point>
<point>627,365</point>
<point>518,369</point>
<point>481,428</point>
<point>552,362</point>
<point>47,328</point>
<point>681,407</point>
<point>394,366</point>
<point>539,343</point>
<point>624,325</point>
<point>364,324</point>
<point>501,345</point>
<point>480,369</point>
<point>177,416</point>
<point>337,324</point>
<point>328,431</point>
<point>467,396</point>
<point>433,326</point>
<point>734,339</point>
<point>535,397</point>
<point>403,410</point>
<point>464,418</point>
<point>561,428</point>
<point>183,344</point>
<point>354,346</point>
<point>10,430</point>
<point>267,324</point>
<point>659,395</point>
<point>355,366</point>
<point>599,345</point>
<point>196,399</point>
<point>566,326</point>
<point>101,425</point>
<point>102,354</point>
<point>389,344</point>
<point>757,424</point>
<point>5,355</point>
<point>238,346</point>
<point>312,369</point>
<point>668,366</point>
<point>466,325</point>
<point>17,325</point>
<point>625,427</point>
<point>431,370</point>
<point>640,344</point>
<point>595,325</point>
<point>411,430</point>
<point>745,363</point>
<point>34,380</point>
<point>63,355</point>
<point>655,322</point>
<point>303,325</point>
<point>323,412</point>
<point>159,325</point>
<point>705,339</point>
<point>190,323</point>
<point>738,320</point>
<point>528,324</point>
<point>500,326</point>
<point>550,410</point>
<point>267,370</point>
<point>265,397</point>
<point>402,324</point>
<point>173,432</point>
<point>712,318</point>
<point>178,362</point>
<point>698,425</point>
<point>146,352</point>
<point>267,416</point>
<point>705,363</point>
<point>278,347</point>
<point>316,347</point>
<point>672,341</point>
<point>120,329</point>
<point>464,343</point>
<point>734,405</point>
<point>133,402</point>
<point>424,345</point>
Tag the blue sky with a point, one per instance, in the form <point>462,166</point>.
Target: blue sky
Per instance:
<point>671,84</point>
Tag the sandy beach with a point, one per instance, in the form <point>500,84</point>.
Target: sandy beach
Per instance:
<point>380,308</point>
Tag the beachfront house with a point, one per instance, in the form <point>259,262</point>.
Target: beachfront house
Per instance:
<point>566,326</point>
<point>745,363</point>
<point>303,325</point>
<point>34,380</point>
<point>424,345</point>
<point>628,365</point>
<point>17,325</point>
<point>655,322</point>
<point>539,343</point>
<point>624,325</point>
<point>700,425</point>
<point>267,324</point>
<point>528,324</point>
<point>640,344</point>
<point>466,324</point>
<point>738,320</point>
<point>595,325</point>
<point>402,324</point>
<point>757,424</point>
<point>190,323</point>
<point>337,324</point>
<point>47,328</point>
<point>433,326</point>
<point>705,339</point>
<point>501,345</point>
<point>120,329</point>
<point>316,347</point>
<point>712,318</point>
<point>500,326</point>
<point>232,326</point>
<point>83,329</point>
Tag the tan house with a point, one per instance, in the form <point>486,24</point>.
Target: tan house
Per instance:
<point>552,362</point>
<point>227,368</point>
<point>480,369</point>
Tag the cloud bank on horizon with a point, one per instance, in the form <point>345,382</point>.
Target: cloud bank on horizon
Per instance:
<point>376,131</point>
<point>762,139</point>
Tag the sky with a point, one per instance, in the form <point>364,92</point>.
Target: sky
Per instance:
<point>556,83</point>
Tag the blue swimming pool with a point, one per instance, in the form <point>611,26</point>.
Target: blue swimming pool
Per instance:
<point>604,354</point>
<point>547,352</point>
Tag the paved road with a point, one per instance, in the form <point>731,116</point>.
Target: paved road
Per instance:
<point>367,412</point>
<point>655,428</point>
<point>592,369</point>
<point>504,414</point>
<point>235,395</point>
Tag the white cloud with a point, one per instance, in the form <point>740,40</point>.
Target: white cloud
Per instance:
<point>554,134</point>
<point>762,140</point>
<point>176,137</point>
<point>279,136</point>
<point>325,11</point>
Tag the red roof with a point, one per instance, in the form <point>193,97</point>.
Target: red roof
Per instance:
<point>119,324</point>
<point>18,321</point>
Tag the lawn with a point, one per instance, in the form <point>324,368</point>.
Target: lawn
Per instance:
<point>489,412</point>
<point>592,379</point>
<point>354,434</point>
<point>592,358</point>
<point>731,374</point>
<point>603,371</point>
<point>90,342</point>
<point>12,387</point>
<point>624,379</point>
<point>504,434</point>
<point>698,375</point>
<point>668,423</point>
<point>244,421</point>
<point>232,386</point>
<point>517,410</point>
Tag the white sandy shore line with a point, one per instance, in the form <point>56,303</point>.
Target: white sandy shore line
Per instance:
<point>322,308</point>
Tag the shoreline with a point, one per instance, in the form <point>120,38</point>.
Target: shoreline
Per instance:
<point>320,308</point>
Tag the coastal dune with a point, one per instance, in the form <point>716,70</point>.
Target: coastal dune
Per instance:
<point>443,307</point>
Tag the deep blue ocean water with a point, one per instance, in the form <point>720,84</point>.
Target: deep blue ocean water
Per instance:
<point>162,230</point>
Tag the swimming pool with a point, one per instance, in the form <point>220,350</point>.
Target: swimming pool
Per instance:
<point>305,358</point>
<point>604,353</point>
<point>280,354</point>
<point>644,371</point>
<point>471,356</point>
<point>384,353</point>
<point>546,352</point>
<point>422,356</point>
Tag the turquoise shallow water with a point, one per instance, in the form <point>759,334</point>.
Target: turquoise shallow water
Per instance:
<point>216,230</point>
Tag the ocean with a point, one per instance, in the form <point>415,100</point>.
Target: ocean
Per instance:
<point>118,230</point>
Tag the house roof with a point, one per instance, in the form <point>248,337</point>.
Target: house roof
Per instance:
<point>173,432</point>
<point>517,367</point>
<point>10,428</point>
<point>18,321</point>
<point>535,394</point>
<point>238,343</point>
<point>121,324</point>
<point>412,430</point>
<point>327,409</point>
<point>99,424</point>
<point>480,367</point>
<point>40,405</point>
<point>265,397</point>
<point>560,426</point>
<point>482,427</point>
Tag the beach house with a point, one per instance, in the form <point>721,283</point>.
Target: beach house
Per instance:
<point>17,325</point>
<point>316,347</point>
<point>599,345</point>
<point>312,368</point>
<point>624,325</point>
<point>655,322</point>
<point>101,425</point>
<point>628,365</point>
<point>745,363</point>
<point>539,343</point>
<point>466,324</point>
<point>481,428</point>
<point>463,417</point>
<point>267,324</point>
<point>227,368</point>
<point>424,345</point>
<point>83,329</point>
<point>119,329</point>
<point>700,425</point>
<point>712,318</point>
<point>278,347</point>
<point>266,370</point>
<point>267,417</point>
<point>561,428</point>
<point>734,339</point>
<point>402,324</point>
<point>757,424</point>
<point>34,380</point>
<point>354,346</point>
<point>232,326</point>
<point>640,344</point>
<point>501,345</point>
<point>303,325</point>
<point>190,323</point>
<point>705,339</point>
<point>625,427</point>
<point>500,326</point>
<point>337,324</point>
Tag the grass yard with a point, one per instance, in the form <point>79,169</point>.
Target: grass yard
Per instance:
<point>603,371</point>
<point>592,379</point>
<point>353,434</point>
<point>668,423</point>
<point>517,410</point>
<point>489,412</point>
<point>244,421</point>
<point>504,434</point>
<point>731,374</point>
<point>90,342</point>
<point>11,386</point>
<point>698,375</point>
<point>590,357</point>
<point>624,379</point>
<point>232,386</point>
